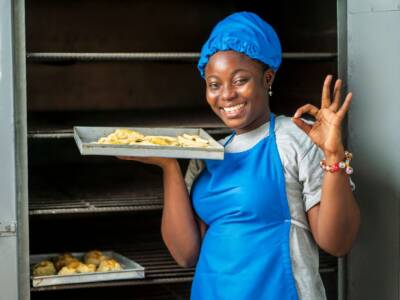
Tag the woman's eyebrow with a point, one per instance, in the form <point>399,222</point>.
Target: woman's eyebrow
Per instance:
<point>211,77</point>
<point>232,74</point>
<point>239,70</point>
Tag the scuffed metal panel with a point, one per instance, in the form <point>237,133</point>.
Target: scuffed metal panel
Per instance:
<point>14,254</point>
<point>8,243</point>
<point>7,175</point>
<point>8,271</point>
<point>374,137</point>
<point>366,6</point>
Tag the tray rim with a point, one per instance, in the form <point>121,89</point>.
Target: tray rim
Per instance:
<point>139,270</point>
<point>215,151</point>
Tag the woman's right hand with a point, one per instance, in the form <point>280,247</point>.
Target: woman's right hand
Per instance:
<point>162,162</point>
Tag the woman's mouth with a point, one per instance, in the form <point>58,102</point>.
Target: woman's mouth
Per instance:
<point>233,111</point>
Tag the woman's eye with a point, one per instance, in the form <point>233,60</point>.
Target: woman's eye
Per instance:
<point>240,81</point>
<point>213,85</point>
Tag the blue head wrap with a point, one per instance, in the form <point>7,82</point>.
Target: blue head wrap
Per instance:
<point>246,33</point>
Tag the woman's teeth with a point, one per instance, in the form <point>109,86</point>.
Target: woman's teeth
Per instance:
<point>233,109</point>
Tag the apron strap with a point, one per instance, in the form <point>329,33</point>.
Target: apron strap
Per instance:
<point>271,124</point>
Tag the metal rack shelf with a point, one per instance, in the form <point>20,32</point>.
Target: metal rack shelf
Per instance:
<point>60,124</point>
<point>161,269</point>
<point>159,265</point>
<point>154,56</point>
<point>177,291</point>
<point>93,189</point>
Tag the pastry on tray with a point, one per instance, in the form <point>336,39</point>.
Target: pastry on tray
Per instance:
<point>109,265</point>
<point>67,271</point>
<point>67,264</point>
<point>132,137</point>
<point>77,267</point>
<point>44,268</point>
<point>94,257</point>
<point>63,260</point>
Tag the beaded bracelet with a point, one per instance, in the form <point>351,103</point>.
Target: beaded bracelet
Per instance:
<point>339,165</point>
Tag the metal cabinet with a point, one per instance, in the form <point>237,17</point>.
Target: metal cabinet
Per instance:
<point>14,257</point>
<point>123,63</point>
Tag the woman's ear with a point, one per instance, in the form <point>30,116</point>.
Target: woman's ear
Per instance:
<point>268,78</point>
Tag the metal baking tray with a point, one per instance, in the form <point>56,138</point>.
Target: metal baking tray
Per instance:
<point>86,136</point>
<point>131,270</point>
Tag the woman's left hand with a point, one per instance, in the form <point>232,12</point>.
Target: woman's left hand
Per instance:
<point>326,131</point>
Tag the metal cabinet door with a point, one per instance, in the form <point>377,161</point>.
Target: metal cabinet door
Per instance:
<point>14,254</point>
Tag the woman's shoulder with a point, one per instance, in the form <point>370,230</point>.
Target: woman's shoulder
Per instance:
<point>285,126</point>
<point>290,136</point>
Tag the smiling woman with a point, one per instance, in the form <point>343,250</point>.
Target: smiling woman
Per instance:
<point>237,90</point>
<point>252,223</point>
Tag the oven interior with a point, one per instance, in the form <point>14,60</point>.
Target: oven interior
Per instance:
<point>79,203</point>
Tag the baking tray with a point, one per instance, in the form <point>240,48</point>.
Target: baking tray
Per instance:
<point>86,136</point>
<point>131,270</point>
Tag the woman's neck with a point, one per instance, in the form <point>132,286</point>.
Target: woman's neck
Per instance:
<point>254,125</point>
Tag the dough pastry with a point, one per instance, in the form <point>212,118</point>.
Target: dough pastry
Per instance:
<point>109,265</point>
<point>122,137</point>
<point>44,268</point>
<point>64,260</point>
<point>94,257</point>
<point>67,271</point>
<point>83,268</point>
<point>131,137</point>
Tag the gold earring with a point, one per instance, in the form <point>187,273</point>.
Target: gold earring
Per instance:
<point>270,91</point>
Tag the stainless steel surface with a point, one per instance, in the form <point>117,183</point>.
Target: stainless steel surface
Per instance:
<point>70,134</point>
<point>51,135</point>
<point>133,202</point>
<point>374,122</point>
<point>173,291</point>
<point>86,138</point>
<point>14,272</point>
<point>130,270</point>
<point>60,124</point>
<point>156,56</point>
<point>90,189</point>
<point>342,74</point>
<point>373,6</point>
<point>8,228</point>
<point>159,268</point>
<point>49,123</point>
<point>87,57</point>
<point>21,153</point>
<point>82,87</point>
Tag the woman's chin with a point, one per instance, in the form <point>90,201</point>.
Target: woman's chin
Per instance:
<point>235,123</point>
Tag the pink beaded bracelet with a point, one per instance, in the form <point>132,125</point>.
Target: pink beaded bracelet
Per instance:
<point>345,164</point>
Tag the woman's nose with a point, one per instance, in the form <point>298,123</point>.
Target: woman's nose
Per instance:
<point>228,93</point>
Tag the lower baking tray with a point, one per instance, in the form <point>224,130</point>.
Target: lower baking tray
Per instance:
<point>86,138</point>
<point>131,270</point>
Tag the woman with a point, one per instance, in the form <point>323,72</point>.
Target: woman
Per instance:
<point>253,222</point>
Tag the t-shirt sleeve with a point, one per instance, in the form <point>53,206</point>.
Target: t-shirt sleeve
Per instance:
<point>194,169</point>
<point>311,176</point>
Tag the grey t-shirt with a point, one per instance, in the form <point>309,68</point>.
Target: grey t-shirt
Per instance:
<point>300,158</point>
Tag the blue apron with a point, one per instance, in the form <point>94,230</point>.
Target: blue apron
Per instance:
<point>245,253</point>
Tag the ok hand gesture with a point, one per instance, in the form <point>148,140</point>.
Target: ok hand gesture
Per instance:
<point>326,131</point>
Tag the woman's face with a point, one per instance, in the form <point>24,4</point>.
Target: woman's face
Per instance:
<point>237,90</point>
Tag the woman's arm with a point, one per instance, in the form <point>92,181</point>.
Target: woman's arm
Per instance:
<point>335,220</point>
<point>181,230</point>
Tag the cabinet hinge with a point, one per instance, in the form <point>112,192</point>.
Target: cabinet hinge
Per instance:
<point>8,228</point>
